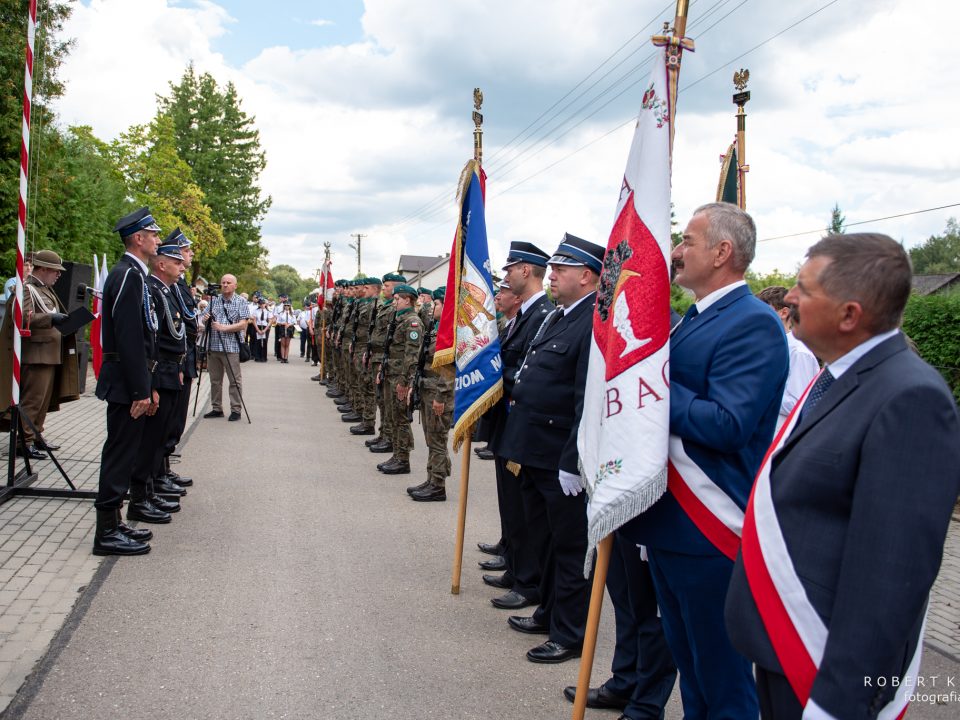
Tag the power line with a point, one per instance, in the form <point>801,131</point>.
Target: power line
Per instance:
<point>863,222</point>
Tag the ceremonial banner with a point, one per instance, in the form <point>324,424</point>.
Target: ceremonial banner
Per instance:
<point>326,284</point>
<point>728,189</point>
<point>96,347</point>
<point>624,430</point>
<point>467,335</point>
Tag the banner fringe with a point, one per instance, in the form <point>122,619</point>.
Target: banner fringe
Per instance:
<point>486,401</point>
<point>627,507</point>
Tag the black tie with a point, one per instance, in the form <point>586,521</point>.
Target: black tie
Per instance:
<point>691,313</point>
<point>513,326</point>
<point>819,389</point>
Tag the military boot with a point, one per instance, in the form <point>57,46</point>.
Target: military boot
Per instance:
<point>373,441</point>
<point>413,488</point>
<point>140,508</point>
<point>352,416</point>
<point>384,446</point>
<point>138,534</point>
<point>109,540</point>
<point>431,493</point>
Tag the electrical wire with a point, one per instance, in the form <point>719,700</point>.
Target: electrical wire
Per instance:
<point>862,222</point>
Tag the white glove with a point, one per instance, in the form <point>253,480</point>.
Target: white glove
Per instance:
<point>570,483</point>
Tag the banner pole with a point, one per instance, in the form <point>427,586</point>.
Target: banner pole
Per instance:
<point>593,625</point>
<point>740,99</point>
<point>461,513</point>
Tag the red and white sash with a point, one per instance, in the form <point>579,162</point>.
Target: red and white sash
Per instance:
<point>714,512</point>
<point>798,635</point>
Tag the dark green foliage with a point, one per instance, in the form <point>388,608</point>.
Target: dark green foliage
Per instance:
<point>931,322</point>
<point>837,221</point>
<point>939,254</point>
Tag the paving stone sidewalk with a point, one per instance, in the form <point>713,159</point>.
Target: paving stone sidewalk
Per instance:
<point>45,558</point>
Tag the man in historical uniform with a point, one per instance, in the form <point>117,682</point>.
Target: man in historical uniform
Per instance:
<point>42,356</point>
<point>436,410</point>
<point>396,378</point>
<point>382,331</point>
<point>128,329</point>
<point>540,442</point>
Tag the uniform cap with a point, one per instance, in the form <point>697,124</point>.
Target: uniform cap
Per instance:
<point>424,291</point>
<point>577,251</point>
<point>395,277</point>
<point>405,290</point>
<point>524,252</point>
<point>47,259</point>
<point>179,238</point>
<point>440,293</point>
<point>171,250</point>
<point>135,222</point>
<point>372,281</point>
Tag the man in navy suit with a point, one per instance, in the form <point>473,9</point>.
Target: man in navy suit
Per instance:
<point>862,489</point>
<point>728,366</point>
<point>541,438</point>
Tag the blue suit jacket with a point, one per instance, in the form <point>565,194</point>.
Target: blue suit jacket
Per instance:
<point>728,367</point>
<point>863,489</point>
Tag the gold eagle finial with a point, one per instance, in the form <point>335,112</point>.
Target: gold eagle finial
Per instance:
<point>477,98</point>
<point>741,78</point>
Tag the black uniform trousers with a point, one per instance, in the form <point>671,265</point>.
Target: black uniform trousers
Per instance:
<point>179,421</point>
<point>522,552</point>
<point>153,444</point>
<point>120,453</point>
<point>643,668</point>
<point>558,524</point>
<point>776,697</point>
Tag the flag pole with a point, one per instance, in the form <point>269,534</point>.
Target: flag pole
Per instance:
<point>740,98</point>
<point>465,448</point>
<point>676,43</point>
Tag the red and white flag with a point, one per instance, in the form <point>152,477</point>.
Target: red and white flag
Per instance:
<point>99,280</point>
<point>326,284</point>
<point>624,430</point>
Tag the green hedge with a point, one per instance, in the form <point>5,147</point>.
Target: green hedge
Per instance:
<point>933,323</point>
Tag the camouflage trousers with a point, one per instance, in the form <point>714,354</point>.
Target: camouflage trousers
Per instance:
<point>384,430</point>
<point>397,422</point>
<point>366,392</point>
<point>436,429</point>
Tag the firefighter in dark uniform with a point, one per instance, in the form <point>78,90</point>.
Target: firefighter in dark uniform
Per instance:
<point>128,327</point>
<point>187,306</point>
<point>152,496</point>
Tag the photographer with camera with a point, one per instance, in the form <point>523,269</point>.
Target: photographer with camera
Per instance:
<point>225,319</point>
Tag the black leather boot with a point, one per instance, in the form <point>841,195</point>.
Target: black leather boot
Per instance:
<point>164,488</point>
<point>345,408</point>
<point>174,477</point>
<point>413,488</point>
<point>373,441</point>
<point>352,416</point>
<point>392,460</point>
<point>400,467</point>
<point>138,534</point>
<point>384,446</point>
<point>108,540</point>
<point>431,493</point>
<point>140,508</point>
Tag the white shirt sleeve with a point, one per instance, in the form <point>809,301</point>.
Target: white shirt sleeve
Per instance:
<point>803,368</point>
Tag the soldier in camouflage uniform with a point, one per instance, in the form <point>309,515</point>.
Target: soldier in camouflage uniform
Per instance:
<point>336,312</point>
<point>350,352</point>
<point>321,323</point>
<point>398,378</point>
<point>383,443</point>
<point>436,412</point>
<point>365,403</point>
<point>342,341</point>
<point>425,306</point>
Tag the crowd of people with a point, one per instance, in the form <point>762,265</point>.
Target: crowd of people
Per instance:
<point>785,572</point>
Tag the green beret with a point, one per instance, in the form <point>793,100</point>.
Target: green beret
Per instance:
<point>405,290</point>
<point>395,277</point>
<point>372,281</point>
<point>440,293</point>
<point>424,291</point>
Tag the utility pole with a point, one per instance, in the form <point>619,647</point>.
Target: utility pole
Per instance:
<point>356,247</point>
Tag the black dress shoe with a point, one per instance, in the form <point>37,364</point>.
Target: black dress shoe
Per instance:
<point>552,652</point>
<point>352,416</point>
<point>485,454</point>
<point>598,698</point>
<point>401,467</point>
<point>165,488</point>
<point>362,430</point>
<point>136,534</point>
<point>495,549</point>
<point>214,414</point>
<point>478,450</point>
<point>144,511</point>
<point>496,564</point>
<point>373,441</point>
<point>382,447</point>
<point>46,446</point>
<point>234,416</point>
<point>115,542</point>
<point>163,505</point>
<point>413,488</point>
<point>514,601</point>
<point>498,581</point>
<point>527,625</point>
<point>431,493</point>
<point>30,452</point>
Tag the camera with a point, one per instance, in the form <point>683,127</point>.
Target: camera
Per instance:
<point>212,289</point>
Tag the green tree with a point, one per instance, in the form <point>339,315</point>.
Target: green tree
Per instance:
<point>759,281</point>
<point>288,281</point>
<point>837,221</point>
<point>49,53</point>
<point>939,253</point>
<point>222,147</point>
<point>158,177</point>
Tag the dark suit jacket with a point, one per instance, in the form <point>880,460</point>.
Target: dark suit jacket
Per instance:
<point>125,332</point>
<point>863,488</point>
<point>728,367</point>
<point>543,422</point>
<point>512,352</point>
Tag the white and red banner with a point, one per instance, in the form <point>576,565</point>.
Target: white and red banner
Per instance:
<point>623,437</point>
<point>326,284</point>
<point>96,345</point>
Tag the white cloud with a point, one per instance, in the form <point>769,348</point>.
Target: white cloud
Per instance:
<point>845,110</point>
<point>320,22</point>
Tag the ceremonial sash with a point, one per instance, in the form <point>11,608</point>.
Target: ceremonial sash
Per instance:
<point>714,512</point>
<point>796,631</point>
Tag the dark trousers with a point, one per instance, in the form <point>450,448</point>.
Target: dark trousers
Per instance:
<point>276,341</point>
<point>179,421</point>
<point>522,552</point>
<point>715,680</point>
<point>260,350</point>
<point>561,521</point>
<point>120,453</point>
<point>153,443</point>
<point>304,338</point>
<point>642,667</point>
<point>777,699</point>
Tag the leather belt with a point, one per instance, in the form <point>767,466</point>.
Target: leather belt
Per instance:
<point>168,357</point>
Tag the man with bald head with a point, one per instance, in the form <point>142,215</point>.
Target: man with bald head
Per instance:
<point>226,318</point>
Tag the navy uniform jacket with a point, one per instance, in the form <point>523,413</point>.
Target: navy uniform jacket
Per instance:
<point>863,489</point>
<point>728,367</point>
<point>512,352</point>
<point>170,349</point>
<point>547,397</point>
<point>125,334</point>
<point>188,310</point>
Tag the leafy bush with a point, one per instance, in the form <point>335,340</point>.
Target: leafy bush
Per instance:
<point>932,323</point>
